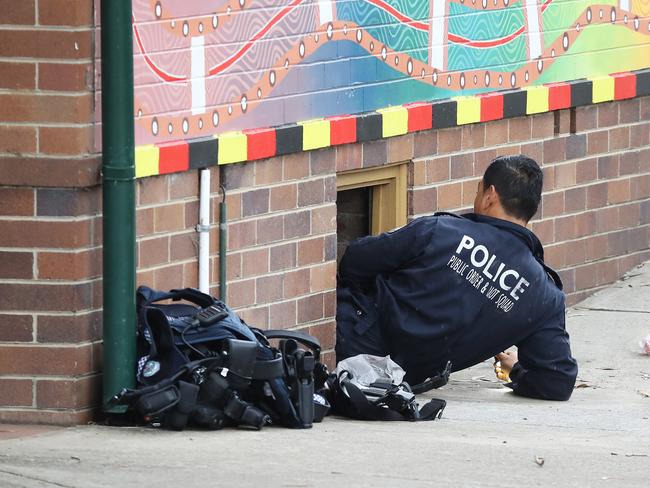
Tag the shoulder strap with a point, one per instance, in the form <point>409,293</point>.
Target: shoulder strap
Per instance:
<point>146,296</point>
<point>308,340</point>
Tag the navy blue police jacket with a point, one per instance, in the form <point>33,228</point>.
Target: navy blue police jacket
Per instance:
<point>462,289</point>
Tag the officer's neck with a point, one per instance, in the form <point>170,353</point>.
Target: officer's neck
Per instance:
<point>497,212</point>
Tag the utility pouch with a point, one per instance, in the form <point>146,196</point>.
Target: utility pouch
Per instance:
<point>157,401</point>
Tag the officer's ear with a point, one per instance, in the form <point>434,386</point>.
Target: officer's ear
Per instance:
<point>490,197</point>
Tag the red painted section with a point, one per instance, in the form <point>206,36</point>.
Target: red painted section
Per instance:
<point>420,116</point>
<point>260,143</point>
<point>624,85</point>
<point>559,96</point>
<point>173,157</point>
<point>491,106</point>
<point>343,130</point>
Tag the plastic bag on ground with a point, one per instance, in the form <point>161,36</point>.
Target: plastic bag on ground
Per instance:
<point>365,369</point>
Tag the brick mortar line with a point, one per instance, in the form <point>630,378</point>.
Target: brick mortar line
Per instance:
<point>38,91</point>
<point>24,60</point>
<point>46,345</point>
<point>27,60</point>
<point>283,272</point>
<point>598,235</point>
<point>278,213</point>
<point>607,259</point>
<point>258,247</point>
<point>50,282</point>
<point>54,157</point>
<point>45,93</point>
<point>48,378</point>
<point>159,267</point>
<point>66,411</point>
<point>50,28</point>
<point>45,249</point>
<point>278,184</point>
<point>38,314</point>
<point>49,218</point>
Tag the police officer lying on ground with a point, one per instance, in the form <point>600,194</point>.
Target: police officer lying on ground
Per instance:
<point>462,289</point>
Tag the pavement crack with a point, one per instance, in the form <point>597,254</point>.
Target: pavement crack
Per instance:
<point>34,478</point>
<point>598,309</point>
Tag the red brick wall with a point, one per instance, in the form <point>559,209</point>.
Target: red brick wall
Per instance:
<point>50,225</point>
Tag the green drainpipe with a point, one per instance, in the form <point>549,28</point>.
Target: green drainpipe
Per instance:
<point>118,180</point>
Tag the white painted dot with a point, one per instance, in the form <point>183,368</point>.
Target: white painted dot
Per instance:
<point>158,10</point>
<point>601,13</point>
<point>500,80</point>
<point>286,63</point>
<point>462,80</point>
<point>215,21</point>
<point>200,123</point>
<point>228,10</point>
<point>553,52</point>
<point>170,128</point>
<point>301,49</point>
<point>244,103</point>
<point>578,27</point>
<point>186,126</point>
<point>423,73</point>
<point>140,113</point>
<point>384,53</point>
<point>565,41</point>
<point>636,23</point>
<point>484,4</point>
<point>316,38</point>
<point>272,78</point>
<point>409,66</point>
<point>154,126</point>
<point>496,2</point>
<point>513,80</point>
<point>372,46</point>
<point>396,60</point>
<point>526,76</point>
<point>448,80</point>
<point>173,23</point>
<point>186,28</point>
<point>475,79</point>
<point>540,65</point>
<point>487,78</point>
<point>201,27</point>
<point>241,3</point>
<point>215,118</point>
<point>345,29</point>
<point>612,15</point>
<point>359,35</point>
<point>589,15</point>
<point>229,109</point>
<point>506,2</point>
<point>259,93</point>
<point>330,30</point>
<point>434,76</point>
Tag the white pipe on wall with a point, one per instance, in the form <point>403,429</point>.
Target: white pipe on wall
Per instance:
<point>204,232</point>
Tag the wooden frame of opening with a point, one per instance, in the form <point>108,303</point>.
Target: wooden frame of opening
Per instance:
<point>389,194</point>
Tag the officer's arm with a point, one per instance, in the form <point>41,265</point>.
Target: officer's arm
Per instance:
<point>370,256</point>
<point>546,368</point>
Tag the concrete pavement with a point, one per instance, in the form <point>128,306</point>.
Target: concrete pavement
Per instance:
<point>487,437</point>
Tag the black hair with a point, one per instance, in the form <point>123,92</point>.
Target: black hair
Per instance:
<point>518,182</point>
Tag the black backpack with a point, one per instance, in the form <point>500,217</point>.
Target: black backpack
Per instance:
<point>199,364</point>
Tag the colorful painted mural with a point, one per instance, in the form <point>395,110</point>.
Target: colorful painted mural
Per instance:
<point>205,67</point>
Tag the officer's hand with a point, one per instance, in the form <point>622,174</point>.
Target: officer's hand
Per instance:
<point>503,363</point>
